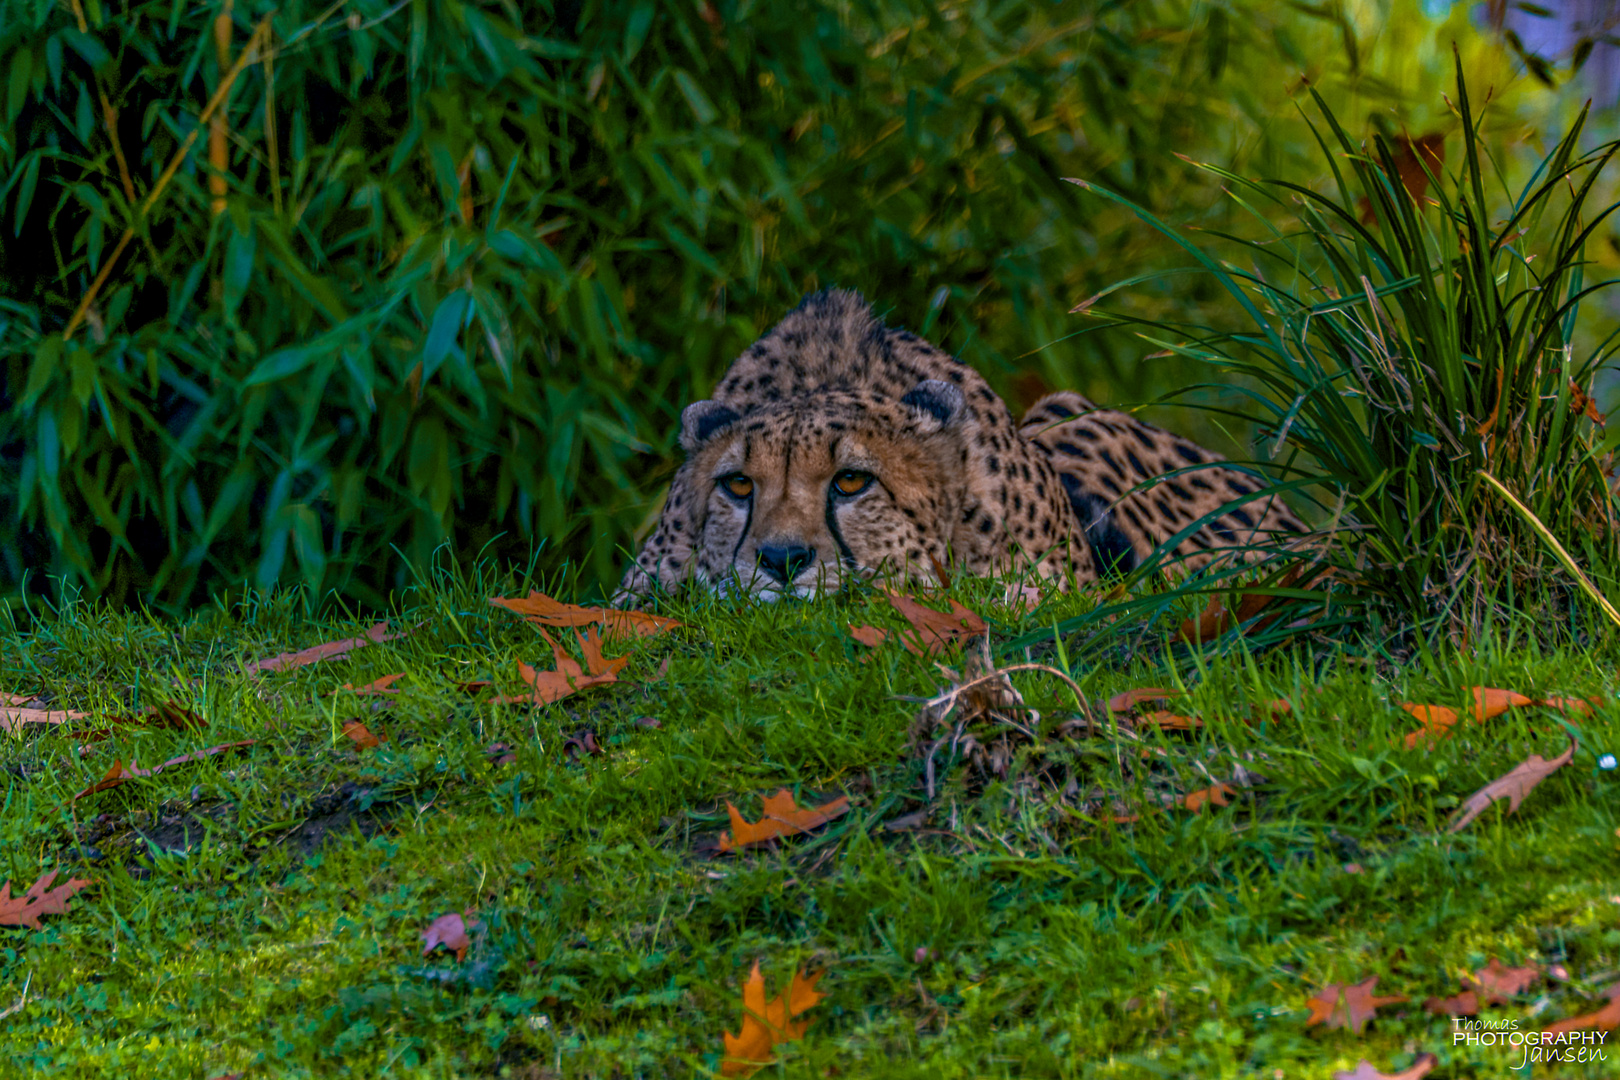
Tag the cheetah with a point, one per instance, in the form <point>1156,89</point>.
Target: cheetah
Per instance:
<point>836,449</point>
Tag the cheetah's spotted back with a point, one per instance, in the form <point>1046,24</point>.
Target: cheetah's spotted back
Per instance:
<point>837,447</point>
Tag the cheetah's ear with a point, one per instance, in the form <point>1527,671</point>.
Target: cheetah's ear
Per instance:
<point>700,420</point>
<point>937,403</point>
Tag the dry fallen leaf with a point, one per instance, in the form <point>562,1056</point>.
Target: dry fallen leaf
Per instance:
<point>542,610</point>
<point>384,685</point>
<point>1215,619</point>
<point>1605,1019</point>
<point>1512,786</point>
<point>1169,721</point>
<point>1365,1070</point>
<point>8,698</point>
<point>1348,1006</point>
<point>451,932</point>
<point>1497,984</point>
<point>363,737</point>
<point>1129,699</point>
<point>13,719</point>
<point>569,677</point>
<point>40,899</point>
<point>870,636</point>
<point>121,773</point>
<point>1489,702</point>
<point>767,1023</point>
<point>374,636</point>
<point>933,631</point>
<point>781,817</point>
<point>1463,1004</point>
<point>1216,795</point>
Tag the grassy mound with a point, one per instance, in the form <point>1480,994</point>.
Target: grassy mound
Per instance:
<point>1062,909</point>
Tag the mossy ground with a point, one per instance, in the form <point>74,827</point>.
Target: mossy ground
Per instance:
<point>261,912</point>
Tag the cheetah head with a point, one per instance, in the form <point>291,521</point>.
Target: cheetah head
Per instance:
<point>820,489</point>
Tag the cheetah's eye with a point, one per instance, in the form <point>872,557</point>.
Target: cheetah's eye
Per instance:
<point>739,485</point>
<point>851,482</point>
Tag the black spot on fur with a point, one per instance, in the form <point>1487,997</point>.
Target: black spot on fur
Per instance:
<point>1111,548</point>
<point>1059,410</point>
<point>1189,453</point>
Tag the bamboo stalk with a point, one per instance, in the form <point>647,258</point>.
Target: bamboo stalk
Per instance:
<point>219,133</point>
<point>259,35</point>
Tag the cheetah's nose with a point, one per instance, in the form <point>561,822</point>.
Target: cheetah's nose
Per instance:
<point>785,563</point>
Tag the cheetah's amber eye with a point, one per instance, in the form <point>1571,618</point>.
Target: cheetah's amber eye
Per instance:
<point>738,484</point>
<point>851,482</point>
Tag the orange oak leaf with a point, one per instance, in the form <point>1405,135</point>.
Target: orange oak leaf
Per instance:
<point>870,636</point>
<point>8,698</point>
<point>767,1023</point>
<point>933,631</point>
<point>451,932</point>
<point>1463,1004</point>
<point>542,610</point>
<point>1513,786</point>
<point>781,817</point>
<point>1129,699</point>
<point>1582,403</point>
<point>121,773</point>
<point>1489,702</point>
<point>363,737</point>
<point>1365,1071</point>
<point>1605,1019</point>
<point>1348,1006</point>
<point>1497,984</point>
<point>13,719</point>
<point>1169,721</point>
<point>1215,794</point>
<point>162,715</point>
<point>374,636</point>
<point>384,685</point>
<point>1437,720</point>
<point>569,677</point>
<point>40,899</point>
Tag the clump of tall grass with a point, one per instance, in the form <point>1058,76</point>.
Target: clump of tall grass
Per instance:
<point>1412,357</point>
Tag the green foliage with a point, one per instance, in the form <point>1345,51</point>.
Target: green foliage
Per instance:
<point>483,254</point>
<point>1401,353</point>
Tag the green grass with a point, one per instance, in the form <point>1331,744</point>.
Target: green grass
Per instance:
<point>616,939</point>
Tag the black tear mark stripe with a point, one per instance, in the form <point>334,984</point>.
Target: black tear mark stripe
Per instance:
<point>844,552</point>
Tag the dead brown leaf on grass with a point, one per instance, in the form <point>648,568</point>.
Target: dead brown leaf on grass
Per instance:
<point>542,610</point>
<point>12,719</point>
<point>1492,984</point>
<point>384,685</point>
<point>451,932</point>
<point>7,698</point>
<point>1489,702</point>
<point>121,773</point>
<point>1348,1006</point>
<point>1129,699</point>
<point>363,737</point>
<point>1605,1019</point>
<point>767,1023</point>
<point>781,817</point>
<point>1513,786</point>
<point>40,899</point>
<point>568,677</point>
<point>1216,795</point>
<point>933,632</point>
<point>325,651</point>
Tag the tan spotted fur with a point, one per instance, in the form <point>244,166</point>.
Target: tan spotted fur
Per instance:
<point>831,394</point>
